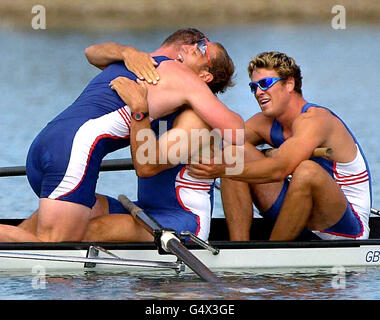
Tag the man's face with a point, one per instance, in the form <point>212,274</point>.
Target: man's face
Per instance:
<point>273,100</point>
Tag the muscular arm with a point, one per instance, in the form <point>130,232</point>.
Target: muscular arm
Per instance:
<point>183,81</point>
<point>172,148</point>
<point>309,132</point>
<point>257,129</point>
<point>181,86</point>
<point>216,114</point>
<point>151,155</point>
<point>140,63</point>
<point>102,54</point>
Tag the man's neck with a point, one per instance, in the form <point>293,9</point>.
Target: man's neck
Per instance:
<point>293,110</point>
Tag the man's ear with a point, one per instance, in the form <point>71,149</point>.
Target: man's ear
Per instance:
<point>290,84</point>
<point>206,76</point>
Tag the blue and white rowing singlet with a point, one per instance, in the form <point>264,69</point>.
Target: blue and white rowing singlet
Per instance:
<point>64,160</point>
<point>354,178</point>
<point>175,199</point>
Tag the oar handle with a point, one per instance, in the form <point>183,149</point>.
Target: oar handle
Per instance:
<point>318,152</point>
<point>129,205</point>
<point>322,152</point>
<point>152,226</point>
<point>106,165</point>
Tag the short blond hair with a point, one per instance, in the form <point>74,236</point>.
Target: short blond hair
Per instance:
<point>285,66</point>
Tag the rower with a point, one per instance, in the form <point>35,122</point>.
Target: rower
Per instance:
<point>165,190</point>
<point>331,196</point>
<point>98,122</point>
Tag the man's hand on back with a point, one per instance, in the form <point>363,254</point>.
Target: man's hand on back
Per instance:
<point>141,64</point>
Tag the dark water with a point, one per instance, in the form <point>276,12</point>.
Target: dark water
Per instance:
<point>314,284</point>
<point>42,72</point>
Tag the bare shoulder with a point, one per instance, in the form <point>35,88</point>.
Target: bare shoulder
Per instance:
<point>257,128</point>
<point>315,113</point>
<point>315,121</point>
<point>188,118</point>
<point>258,122</point>
<point>259,119</point>
<point>176,70</point>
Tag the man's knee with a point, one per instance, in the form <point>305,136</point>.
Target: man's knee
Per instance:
<point>95,226</point>
<point>306,173</point>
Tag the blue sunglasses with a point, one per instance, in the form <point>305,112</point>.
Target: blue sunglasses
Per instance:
<point>264,83</point>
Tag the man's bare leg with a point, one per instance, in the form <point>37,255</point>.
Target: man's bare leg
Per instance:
<point>16,234</point>
<point>237,199</point>
<point>62,220</point>
<point>56,221</point>
<point>30,224</point>
<point>100,208</point>
<point>238,209</point>
<point>313,200</point>
<point>116,227</point>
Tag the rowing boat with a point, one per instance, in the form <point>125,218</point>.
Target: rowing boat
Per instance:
<point>220,254</point>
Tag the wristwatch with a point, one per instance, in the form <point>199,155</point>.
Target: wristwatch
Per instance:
<point>138,116</point>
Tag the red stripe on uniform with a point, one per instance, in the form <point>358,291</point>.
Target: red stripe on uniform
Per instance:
<point>125,119</point>
<point>190,184</point>
<point>179,198</point>
<point>352,183</point>
<point>177,189</point>
<point>126,113</point>
<point>347,235</point>
<point>89,157</point>
<point>353,178</point>
<point>181,175</point>
<point>345,176</point>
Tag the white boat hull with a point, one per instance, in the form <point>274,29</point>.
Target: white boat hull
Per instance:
<point>257,257</point>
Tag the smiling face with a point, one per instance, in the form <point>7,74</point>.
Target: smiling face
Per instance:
<point>211,62</point>
<point>273,101</point>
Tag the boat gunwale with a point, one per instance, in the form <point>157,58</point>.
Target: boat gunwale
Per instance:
<point>253,244</point>
<point>215,240</point>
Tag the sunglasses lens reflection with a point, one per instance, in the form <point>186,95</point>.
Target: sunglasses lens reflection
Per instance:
<point>202,46</point>
<point>253,87</point>
<point>265,83</point>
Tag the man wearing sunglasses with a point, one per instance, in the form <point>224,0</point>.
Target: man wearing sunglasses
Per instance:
<point>166,192</point>
<point>329,197</point>
<point>64,160</point>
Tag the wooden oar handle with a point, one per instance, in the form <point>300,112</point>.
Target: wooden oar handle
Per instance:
<point>322,152</point>
<point>129,205</point>
<point>148,223</point>
<point>318,152</point>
